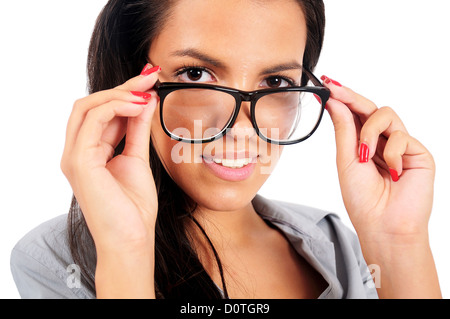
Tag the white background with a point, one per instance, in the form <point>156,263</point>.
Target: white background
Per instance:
<point>393,52</point>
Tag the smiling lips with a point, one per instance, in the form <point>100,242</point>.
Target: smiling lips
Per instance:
<point>232,163</point>
<point>232,167</point>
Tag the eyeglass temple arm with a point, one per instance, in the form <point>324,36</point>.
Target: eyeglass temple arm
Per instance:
<point>312,77</point>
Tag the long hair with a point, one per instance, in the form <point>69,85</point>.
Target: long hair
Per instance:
<point>118,50</point>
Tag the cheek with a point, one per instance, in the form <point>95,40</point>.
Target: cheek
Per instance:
<point>181,160</point>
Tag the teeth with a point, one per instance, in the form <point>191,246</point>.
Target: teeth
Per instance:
<point>237,163</point>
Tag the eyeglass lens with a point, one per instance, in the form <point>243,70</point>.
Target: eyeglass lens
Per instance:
<point>288,116</point>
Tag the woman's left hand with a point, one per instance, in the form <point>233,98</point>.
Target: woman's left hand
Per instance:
<point>386,175</point>
<point>386,179</point>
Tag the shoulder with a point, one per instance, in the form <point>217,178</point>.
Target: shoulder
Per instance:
<point>307,220</point>
<point>311,224</point>
<point>41,263</point>
<point>319,225</point>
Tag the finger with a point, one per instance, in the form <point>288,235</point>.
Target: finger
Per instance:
<point>383,122</point>
<point>115,131</point>
<point>403,152</point>
<point>144,82</point>
<point>346,132</point>
<point>92,129</point>
<point>358,104</point>
<point>83,106</point>
<point>396,146</point>
<point>138,132</point>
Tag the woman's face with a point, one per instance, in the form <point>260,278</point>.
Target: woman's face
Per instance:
<point>246,45</point>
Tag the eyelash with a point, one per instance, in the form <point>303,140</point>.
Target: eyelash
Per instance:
<point>190,67</point>
<point>290,81</point>
<point>185,68</point>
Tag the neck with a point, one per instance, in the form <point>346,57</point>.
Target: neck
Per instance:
<point>229,228</point>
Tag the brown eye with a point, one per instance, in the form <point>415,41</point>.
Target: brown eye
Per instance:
<point>276,82</point>
<point>194,74</point>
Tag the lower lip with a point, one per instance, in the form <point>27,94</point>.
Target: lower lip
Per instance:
<point>230,174</point>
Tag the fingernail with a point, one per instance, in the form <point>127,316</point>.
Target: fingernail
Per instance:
<point>145,96</point>
<point>394,175</point>
<point>336,83</point>
<point>327,80</point>
<point>140,103</point>
<point>146,67</point>
<point>363,153</point>
<point>149,70</point>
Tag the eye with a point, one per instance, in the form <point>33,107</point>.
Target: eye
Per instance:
<point>276,82</point>
<point>195,75</point>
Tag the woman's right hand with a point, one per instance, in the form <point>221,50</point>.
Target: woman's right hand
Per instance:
<point>117,195</point>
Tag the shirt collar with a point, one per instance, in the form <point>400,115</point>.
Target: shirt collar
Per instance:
<point>300,226</point>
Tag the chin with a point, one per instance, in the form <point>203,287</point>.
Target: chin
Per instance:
<point>222,198</point>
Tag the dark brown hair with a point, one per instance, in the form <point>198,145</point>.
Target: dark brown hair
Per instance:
<point>118,51</point>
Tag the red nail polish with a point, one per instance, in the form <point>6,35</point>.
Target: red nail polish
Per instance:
<point>336,83</point>
<point>140,103</point>
<point>394,175</point>
<point>146,96</point>
<point>327,80</point>
<point>363,153</point>
<point>148,71</point>
<point>146,67</point>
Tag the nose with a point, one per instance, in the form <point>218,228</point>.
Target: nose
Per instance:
<point>243,127</point>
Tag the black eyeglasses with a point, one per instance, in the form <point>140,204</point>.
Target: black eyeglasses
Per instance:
<point>202,113</point>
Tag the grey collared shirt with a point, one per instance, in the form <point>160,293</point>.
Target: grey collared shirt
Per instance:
<point>42,266</point>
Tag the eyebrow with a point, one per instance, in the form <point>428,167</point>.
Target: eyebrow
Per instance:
<point>196,54</point>
<point>282,67</point>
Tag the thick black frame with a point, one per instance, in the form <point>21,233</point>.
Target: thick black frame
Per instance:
<point>165,88</point>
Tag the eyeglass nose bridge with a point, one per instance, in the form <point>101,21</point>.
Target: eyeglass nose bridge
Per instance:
<point>247,96</point>
<point>244,96</point>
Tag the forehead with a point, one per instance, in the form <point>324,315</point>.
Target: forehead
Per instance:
<point>236,29</point>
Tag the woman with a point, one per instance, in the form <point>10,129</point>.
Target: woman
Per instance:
<point>180,216</point>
